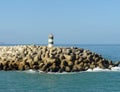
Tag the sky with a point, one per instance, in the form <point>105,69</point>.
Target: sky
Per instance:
<point>70,21</point>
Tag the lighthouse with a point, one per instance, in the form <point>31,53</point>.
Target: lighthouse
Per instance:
<point>50,40</point>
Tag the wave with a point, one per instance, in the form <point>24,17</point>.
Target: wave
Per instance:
<point>41,72</point>
<point>97,69</point>
<point>31,71</point>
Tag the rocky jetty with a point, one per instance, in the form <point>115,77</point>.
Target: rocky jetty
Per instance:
<point>54,59</point>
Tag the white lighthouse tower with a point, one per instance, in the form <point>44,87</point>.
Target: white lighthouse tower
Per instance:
<point>50,40</point>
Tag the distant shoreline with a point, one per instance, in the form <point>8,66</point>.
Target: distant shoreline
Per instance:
<point>2,44</point>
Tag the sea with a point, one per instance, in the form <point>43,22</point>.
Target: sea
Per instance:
<point>90,81</point>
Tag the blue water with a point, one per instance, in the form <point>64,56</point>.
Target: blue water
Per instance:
<point>17,81</point>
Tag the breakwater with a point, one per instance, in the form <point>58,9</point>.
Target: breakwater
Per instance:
<point>54,59</point>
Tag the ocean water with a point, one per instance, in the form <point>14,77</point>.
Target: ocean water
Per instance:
<point>89,81</point>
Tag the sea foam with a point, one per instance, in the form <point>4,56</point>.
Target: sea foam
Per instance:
<point>97,69</point>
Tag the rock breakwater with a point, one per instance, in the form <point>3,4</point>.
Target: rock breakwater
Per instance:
<point>55,59</point>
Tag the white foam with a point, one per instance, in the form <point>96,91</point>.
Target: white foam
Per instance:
<point>89,70</point>
<point>115,69</point>
<point>62,73</point>
<point>42,72</point>
<point>31,71</point>
<point>97,69</point>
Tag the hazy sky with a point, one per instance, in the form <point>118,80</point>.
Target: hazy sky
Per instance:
<point>71,21</point>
